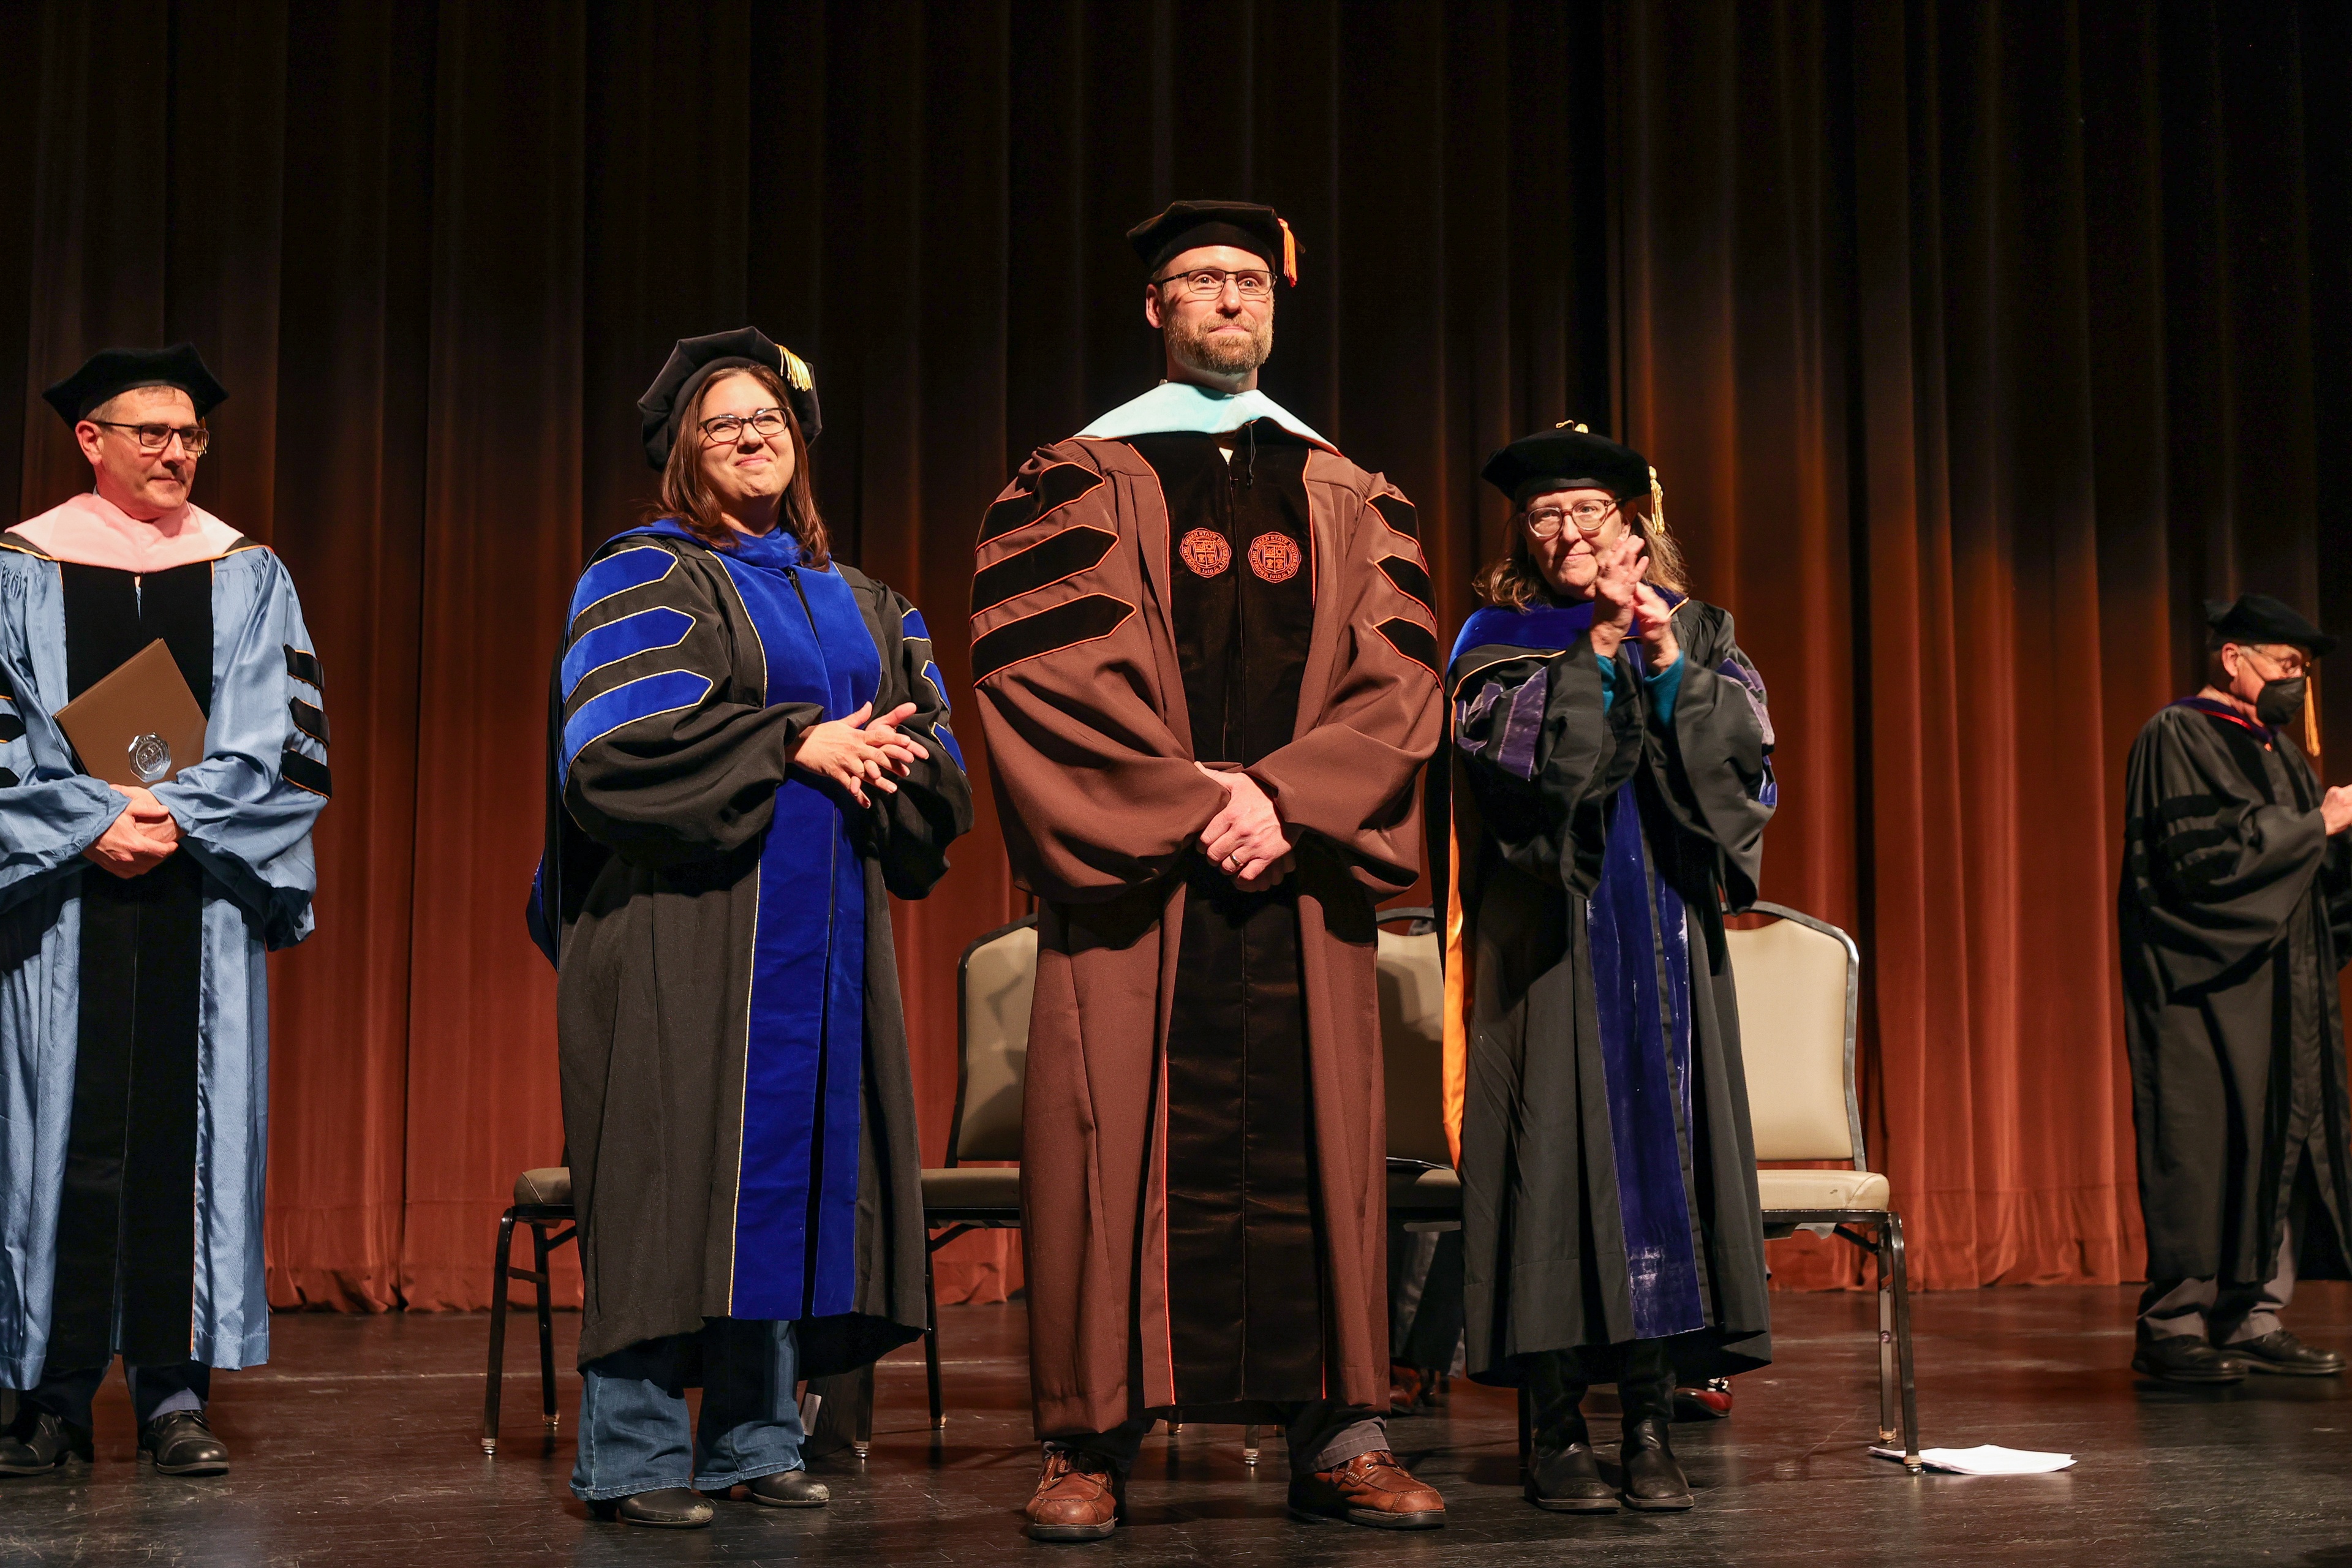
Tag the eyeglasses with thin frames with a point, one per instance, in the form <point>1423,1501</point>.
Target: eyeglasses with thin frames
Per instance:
<point>2289,662</point>
<point>1209,283</point>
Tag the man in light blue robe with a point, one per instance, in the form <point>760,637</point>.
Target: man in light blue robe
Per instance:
<point>134,921</point>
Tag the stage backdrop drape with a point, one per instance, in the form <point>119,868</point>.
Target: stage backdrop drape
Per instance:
<point>1975,345</point>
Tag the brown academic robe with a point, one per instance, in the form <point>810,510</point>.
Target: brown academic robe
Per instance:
<point>1076,665</point>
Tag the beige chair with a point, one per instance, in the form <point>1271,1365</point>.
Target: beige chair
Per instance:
<point>1424,1191</point>
<point>1799,980</point>
<point>993,982</point>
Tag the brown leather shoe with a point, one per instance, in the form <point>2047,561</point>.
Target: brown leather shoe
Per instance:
<point>1370,1488</point>
<point>1078,1497</point>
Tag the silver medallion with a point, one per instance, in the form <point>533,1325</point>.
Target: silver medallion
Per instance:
<point>151,758</point>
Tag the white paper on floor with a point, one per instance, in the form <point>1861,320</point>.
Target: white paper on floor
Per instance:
<point>1986,1459</point>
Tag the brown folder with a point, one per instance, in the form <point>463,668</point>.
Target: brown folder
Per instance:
<point>140,725</point>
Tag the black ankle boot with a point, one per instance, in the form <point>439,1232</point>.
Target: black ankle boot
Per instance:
<point>1654,1480</point>
<point>1563,1475</point>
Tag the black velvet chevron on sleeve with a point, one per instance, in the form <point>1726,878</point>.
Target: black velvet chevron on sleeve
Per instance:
<point>1049,631</point>
<point>307,719</point>
<point>1056,488</point>
<point>305,773</point>
<point>1410,579</point>
<point>1411,639</point>
<point>1047,562</point>
<point>1398,514</point>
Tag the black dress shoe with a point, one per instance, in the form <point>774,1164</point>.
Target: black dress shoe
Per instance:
<point>789,1489</point>
<point>184,1445</point>
<point>1654,1480</point>
<point>671,1508</point>
<point>2183,1358</point>
<point>2281,1351</point>
<point>37,1441</point>
<point>1568,1481</point>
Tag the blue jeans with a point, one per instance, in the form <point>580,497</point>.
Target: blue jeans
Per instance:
<point>634,1434</point>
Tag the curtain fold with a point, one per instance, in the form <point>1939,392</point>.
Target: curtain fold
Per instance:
<point>1975,345</point>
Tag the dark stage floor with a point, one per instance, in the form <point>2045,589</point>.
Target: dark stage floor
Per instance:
<point>356,1447</point>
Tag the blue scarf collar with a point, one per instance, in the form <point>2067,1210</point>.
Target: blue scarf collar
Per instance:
<point>1180,406</point>
<point>774,550</point>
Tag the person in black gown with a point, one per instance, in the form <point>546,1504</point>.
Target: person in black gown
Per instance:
<point>1609,775</point>
<point>749,756</point>
<point>2234,916</point>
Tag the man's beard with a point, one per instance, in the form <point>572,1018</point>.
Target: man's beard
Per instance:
<point>1199,346</point>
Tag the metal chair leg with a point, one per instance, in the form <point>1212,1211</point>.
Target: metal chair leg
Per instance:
<point>863,1441</point>
<point>497,1336</point>
<point>1901,1294</point>
<point>546,1326</point>
<point>931,1346</point>
<point>1249,1444</point>
<point>1526,1430</point>
<point>1885,1259</point>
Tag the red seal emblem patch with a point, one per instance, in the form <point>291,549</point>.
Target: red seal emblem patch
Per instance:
<point>1204,550</point>
<point>1276,557</point>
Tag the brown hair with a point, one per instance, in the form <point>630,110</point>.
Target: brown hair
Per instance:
<point>685,494</point>
<point>1515,581</point>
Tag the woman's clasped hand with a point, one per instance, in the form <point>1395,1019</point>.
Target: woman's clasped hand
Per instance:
<point>860,749</point>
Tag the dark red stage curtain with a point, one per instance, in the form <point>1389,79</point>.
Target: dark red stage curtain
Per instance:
<point>1975,345</point>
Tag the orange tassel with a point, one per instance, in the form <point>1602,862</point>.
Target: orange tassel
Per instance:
<point>1289,254</point>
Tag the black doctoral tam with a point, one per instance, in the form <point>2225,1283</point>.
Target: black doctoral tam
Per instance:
<point>695,360</point>
<point>111,371</point>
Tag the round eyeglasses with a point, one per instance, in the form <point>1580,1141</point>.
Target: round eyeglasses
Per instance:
<point>1589,517</point>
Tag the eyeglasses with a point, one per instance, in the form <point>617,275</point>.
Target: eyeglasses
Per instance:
<point>722,428</point>
<point>2289,660</point>
<point>154,438</point>
<point>1209,283</point>
<point>1587,515</point>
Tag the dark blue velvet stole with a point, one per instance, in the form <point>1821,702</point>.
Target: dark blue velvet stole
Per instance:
<point>796,1192</point>
<point>1639,950</point>
<point>1640,982</point>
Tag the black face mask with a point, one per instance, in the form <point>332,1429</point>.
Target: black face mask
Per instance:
<point>2281,701</point>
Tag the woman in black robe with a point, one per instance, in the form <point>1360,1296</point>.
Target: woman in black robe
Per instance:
<point>748,753</point>
<point>1609,765</point>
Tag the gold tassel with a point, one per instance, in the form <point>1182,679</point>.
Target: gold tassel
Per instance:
<point>1657,502</point>
<point>2310,714</point>
<point>797,372</point>
<point>1289,254</point>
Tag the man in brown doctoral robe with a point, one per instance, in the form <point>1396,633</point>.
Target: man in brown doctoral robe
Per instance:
<point>1207,668</point>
